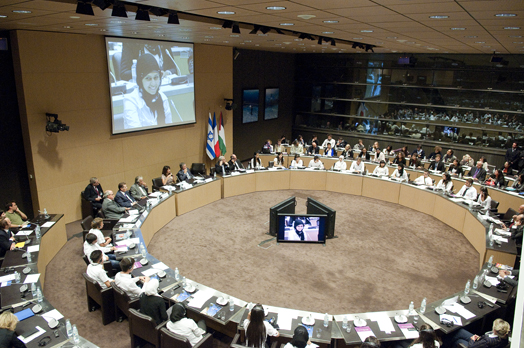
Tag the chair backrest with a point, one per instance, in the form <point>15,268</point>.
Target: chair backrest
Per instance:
<point>93,289</point>
<point>143,326</point>
<point>157,183</point>
<point>198,168</point>
<point>270,164</point>
<point>86,259</point>
<point>494,204</point>
<point>169,339</point>
<point>101,214</point>
<point>86,223</point>
<point>121,297</point>
<point>509,214</point>
<point>212,171</point>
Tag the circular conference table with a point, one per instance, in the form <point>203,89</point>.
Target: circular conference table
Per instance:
<point>168,205</point>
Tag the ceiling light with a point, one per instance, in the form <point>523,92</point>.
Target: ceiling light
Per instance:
<point>330,22</point>
<point>248,41</point>
<point>3,16</point>
<point>142,14</point>
<point>327,32</point>
<point>119,10</point>
<point>67,27</point>
<point>471,37</point>
<point>173,18</point>
<point>511,28</point>
<point>226,12</point>
<point>457,28</point>
<point>74,17</point>
<point>275,8</point>
<point>134,32</point>
<point>480,42</point>
<point>287,24</point>
<point>91,24</point>
<point>439,17</point>
<point>517,42</point>
<point>26,12</point>
<point>234,35</point>
<point>215,28</point>
<point>366,31</point>
<point>103,30</point>
<point>306,16</point>
<point>391,37</point>
<point>515,36</point>
<point>505,15</point>
<point>357,38</point>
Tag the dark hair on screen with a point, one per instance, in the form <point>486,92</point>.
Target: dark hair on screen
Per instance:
<point>256,331</point>
<point>427,337</point>
<point>164,170</point>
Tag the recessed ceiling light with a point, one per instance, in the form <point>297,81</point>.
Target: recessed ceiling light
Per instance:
<point>67,27</point>
<point>161,35</point>
<point>184,38</point>
<point>357,38</point>
<point>410,42</point>
<point>379,43</point>
<point>262,34</point>
<point>366,31</point>
<point>391,37</point>
<point>21,11</point>
<point>248,41</point>
<point>234,35</point>
<point>471,37</point>
<point>257,45</point>
<point>215,28</point>
<point>505,15</point>
<point>134,32</point>
<point>103,30</point>
<point>185,29</point>
<point>439,17</point>
<point>287,43</point>
<point>457,28</point>
<point>3,16</point>
<point>511,28</point>
<point>275,8</point>
<point>327,32</point>
<point>208,37</point>
<point>480,42</point>
<point>278,44</point>
<point>225,41</point>
<point>486,46</point>
<point>226,12</point>
<point>120,22</point>
<point>242,43</point>
<point>330,22</point>
<point>306,16</point>
<point>91,24</point>
<point>287,24</point>
<point>301,44</point>
<point>74,17</point>
<point>515,36</point>
<point>517,42</point>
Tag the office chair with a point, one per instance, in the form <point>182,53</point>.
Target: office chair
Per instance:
<point>170,339</point>
<point>143,328</point>
<point>100,298</point>
<point>198,168</point>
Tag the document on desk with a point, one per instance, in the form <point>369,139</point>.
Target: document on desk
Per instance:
<point>31,278</point>
<point>383,321</point>
<point>132,212</point>
<point>53,314</point>
<point>462,311</point>
<point>501,232</point>
<point>408,330</point>
<point>126,242</point>
<point>7,278</point>
<point>24,233</point>
<point>48,224</point>
<point>500,239</point>
<point>149,272</point>
<point>33,336</point>
<point>457,199</point>
<point>33,248</point>
<point>364,332</point>
<point>493,280</point>
<point>130,218</point>
<point>200,298</point>
<point>285,318</point>
<point>160,266</point>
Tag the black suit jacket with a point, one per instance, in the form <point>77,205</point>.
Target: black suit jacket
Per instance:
<point>313,151</point>
<point>437,166</point>
<point>5,242</point>
<point>512,156</point>
<point>458,169</point>
<point>218,168</point>
<point>9,339</point>
<point>481,176</point>
<point>121,200</point>
<point>183,177</point>
<point>366,158</point>
<point>90,193</point>
<point>233,167</point>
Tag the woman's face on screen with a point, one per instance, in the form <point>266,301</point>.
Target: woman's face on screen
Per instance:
<point>151,82</point>
<point>299,227</point>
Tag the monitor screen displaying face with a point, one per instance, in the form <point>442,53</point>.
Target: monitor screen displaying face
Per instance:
<point>301,228</point>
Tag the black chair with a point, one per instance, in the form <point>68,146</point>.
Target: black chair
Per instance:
<point>270,164</point>
<point>198,168</point>
<point>157,184</point>
<point>107,266</point>
<point>100,298</point>
<point>86,206</point>
<point>212,171</point>
<point>86,223</point>
<point>508,215</point>
<point>169,339</point>
<point>143,328</point>
<point>494,206</point>
<point>123,303</point>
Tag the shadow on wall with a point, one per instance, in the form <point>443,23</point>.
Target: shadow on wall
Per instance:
<point>47,149</point>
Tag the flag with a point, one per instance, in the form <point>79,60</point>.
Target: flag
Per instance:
<point>210,148</point>
<point>362,109</point>
<point>216,145</point>
<point>222,136</point>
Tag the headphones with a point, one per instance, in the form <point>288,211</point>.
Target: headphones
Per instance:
<point>44,341</point>
<point>447,322</point>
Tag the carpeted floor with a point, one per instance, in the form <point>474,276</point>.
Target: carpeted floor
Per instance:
<point>384,257</point>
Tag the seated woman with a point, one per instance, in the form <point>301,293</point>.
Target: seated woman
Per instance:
<point>400,173</point>
<point>427,338</point>
<point>256,162</point>
<point>146,106</point>
<point>455,168</point>
<point>507,170</point>
<point>8,337</point>
<point>257,329</point>
<point>183,326</point>
<point>347,153</point>
<point>484,199</point>
<point>496,179</point>
<point>300,339</point>
<point>151,303</point>
<point>364,154</point>
<point>279,160</point>
<point>381,169</point>
<point>388,151</point>
<point>519,183</point>
<point>297,162</point>
<point>279,147</point>
<point>497,338</point>
<point>445,183</point>
<point>96,226</point>
<point>167,176</point>
<point>401,158</point>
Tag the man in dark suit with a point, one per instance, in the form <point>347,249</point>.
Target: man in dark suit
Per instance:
<point>478,173</point>
<point>110,208</point>
<point>94,193</point>
<point>139,189</point>
<point>221,167</point>
<point>313,149</point>
<point>437,164</point>
<point>234,164</point>
<point>123,198</point>
<point>184,173</point>
<point>6,241</point>
<point>513,156</point>
<point>419,152</point>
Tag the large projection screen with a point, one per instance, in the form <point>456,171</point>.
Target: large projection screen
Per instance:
<point>151,84</point>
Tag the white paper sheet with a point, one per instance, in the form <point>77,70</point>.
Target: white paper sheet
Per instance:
<point>126,242</point>
<point>500,239</point>
<point>200,298</point>
<point>32,278</point>
<point>48,224</point>
<point>285,319</point>
<point>493,280</point>
<point>149,272</point>
<point>24,233</point>
<point>33,248</point>
<point>409,333</point>
<point>4,284</point>
<point>155,194</point>
<point>160,266</point>
<point>384,322</point>
<point>7,278</point>
<point>53,314</point>
<point>128,219</point>
<point>364,332</point>
<point>132,212</point>
<point>33,336</point>
<point>462,311</point>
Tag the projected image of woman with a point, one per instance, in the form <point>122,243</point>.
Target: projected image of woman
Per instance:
<point>146,106</point>
<point>298,231</point>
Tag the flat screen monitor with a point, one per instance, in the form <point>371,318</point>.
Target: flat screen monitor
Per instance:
<point>151,84</point>
<point>300,228</point>
<point>315,207</point>
<point>287,206</point>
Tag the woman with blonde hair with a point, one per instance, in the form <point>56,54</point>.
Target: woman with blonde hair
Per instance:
<point>8,338</point>
<point>497,338</point>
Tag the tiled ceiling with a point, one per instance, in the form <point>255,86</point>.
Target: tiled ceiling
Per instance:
<point>404,26</point>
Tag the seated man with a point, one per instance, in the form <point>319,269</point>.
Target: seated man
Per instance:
<point>91,245</point>
<point>329,140</point>
<point>313,149</point>
<point>235,164</point>
<point>184,173</point>
<point>94,193</point>
<point>455,168</point>
<point>357,166</point>
<point>468,191</point>
<point>329,151</point>
<point>221,167</point>
<point>341,143</point>
<point>124,280</point>
<point>6,240</point>
<point>379,155</point>
<point>316,163</point>
<point>123,198</point>
<point>15,215</point>
<point>341,164</point>
<point>96,269</point>
<point>437,164</point>
<point>424,179</point>
<point>449,157</point>
<point>419,152</point>
<point>110,208</point>
<point>509,277</point>
<point>414,161</point>
<point>139,189</point>
<point>478,173</point>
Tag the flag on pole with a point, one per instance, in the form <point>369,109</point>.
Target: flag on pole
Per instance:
<point>222,136</point>
<point>216,145</point>
<point>210,144</point>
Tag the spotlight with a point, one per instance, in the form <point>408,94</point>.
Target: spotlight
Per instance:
<point>85,8</point>
<point>256,28</point>
<point>102,4</point>
<point>227,24</point>
<point>303,36</point>
<point>333,42</point>
<point>142,14</point>
<point>369,48</point>
<point>56,125</point>
<point>265,30</point>
<point>230,105</point>
<point>320,40</point>
<point>236,29</point>
<point>159,12</point>
<point>173,18</point>
<point>119,10</point>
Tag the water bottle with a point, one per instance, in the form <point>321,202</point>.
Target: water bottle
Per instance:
<point>214,175</point>
<point>28,257</point>
<point>490,261</point>
<point>423,306</point>
<point>491,240</point>
<point>411,307</point>
<point>491,228</point>
<point>39,296</point>
<point>345,322</point>
<point>326,320</point>
<point>37,232</point>
<point>466,289</point>
<point>143,250</point>
<point>184,282</point>
<point>476,282</point>
<point>33,290</point>
<point>460,176</point>
<point>69,329</point>
<point>133,71</point>
<point>231,304</point>
<point>76,338</point>
<point>17,277</point>
<point>177,274</point>
<point>45,214</point>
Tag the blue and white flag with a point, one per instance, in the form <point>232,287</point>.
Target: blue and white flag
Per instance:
<point>210,141</point>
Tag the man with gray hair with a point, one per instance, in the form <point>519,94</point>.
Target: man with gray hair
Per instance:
<point>110,208</point>
<point>94,194</point>
<point>184,173</point>
<point>139,189</point>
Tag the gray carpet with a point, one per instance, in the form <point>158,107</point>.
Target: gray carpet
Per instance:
<point>384,257</point>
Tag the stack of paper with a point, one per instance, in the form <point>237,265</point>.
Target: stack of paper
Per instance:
<point>364,332</point>
<point>383,321</point>
<point>200,298</point>
<point>408,330</point>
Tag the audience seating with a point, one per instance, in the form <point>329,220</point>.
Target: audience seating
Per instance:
<point>236,344</point>
<point>86,223</point>
<point>198,168</point>
<point>107,266</point>
<point>169,339</point>
<point>143,328</point>
<point>102,298</point>
<point>86,206</point>
<point>494,206</point>
<point>123,303</point>
<point>157,184</point>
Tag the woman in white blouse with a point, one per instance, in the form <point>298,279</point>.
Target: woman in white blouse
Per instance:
<point>257,329</point>
<point>381,169</point>
<point>400,173</point>
<point>340,165</point>
<point>256,162</point>
<point>297,162</point>
<point>278,162</point>
<point>484,199</point>
<point>445,183</point>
